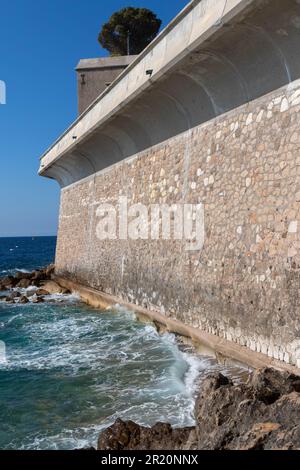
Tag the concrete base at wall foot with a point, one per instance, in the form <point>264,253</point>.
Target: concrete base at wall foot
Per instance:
<point>225,351</point>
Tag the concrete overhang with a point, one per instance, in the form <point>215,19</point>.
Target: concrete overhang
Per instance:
<point>214,56</point>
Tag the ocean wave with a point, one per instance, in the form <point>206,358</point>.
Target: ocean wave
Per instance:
<point>13,271</point>
<point>112,366</point>
<point>146,414</point>
<point>66,298</point>
<point>68,439</point>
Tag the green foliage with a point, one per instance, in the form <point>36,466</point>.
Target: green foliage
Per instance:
<point>141,24</point>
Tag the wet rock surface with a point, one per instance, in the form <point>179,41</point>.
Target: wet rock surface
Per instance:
<point>30,287</point>
<point>263,413</point>
<point>53,288</point>
<point>127,435</point>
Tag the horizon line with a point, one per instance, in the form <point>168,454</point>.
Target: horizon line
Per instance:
<point>27,236</point>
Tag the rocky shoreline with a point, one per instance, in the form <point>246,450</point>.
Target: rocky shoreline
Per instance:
<point>263,414</point>
<point>29,287</point>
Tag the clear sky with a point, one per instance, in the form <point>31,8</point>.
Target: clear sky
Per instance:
<point>41,42</point>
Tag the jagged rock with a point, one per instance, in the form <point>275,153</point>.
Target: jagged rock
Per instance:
<point>13,295</point>
<point>36,282</point>
<point>254,439</point>
<point>23,283</point>
<point>3,298</point>
<point>38,300</point>
<point>24,279</point>
<point>270,385</point>
<point>21,275</point>
<point>127,435</point>
<point>38,275</point>
<point>23,300</point>
<point>49,270</point>
<point>231,416</point>
<point>31,293</point>
<point>42,292</point>
<point>53,288</point>
<point>264,413</point>
<point>8,282</point>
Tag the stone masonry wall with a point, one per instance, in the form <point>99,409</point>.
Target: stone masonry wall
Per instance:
<point>244,285</point>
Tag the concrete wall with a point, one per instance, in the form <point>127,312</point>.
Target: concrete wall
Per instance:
<point>95,75</point>
<point>215,56</point>
<point>244,166</point>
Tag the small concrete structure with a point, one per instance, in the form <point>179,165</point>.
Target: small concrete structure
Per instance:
<point>95,75</point>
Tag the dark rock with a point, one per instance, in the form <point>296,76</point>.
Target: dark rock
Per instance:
<point>42,292</point>
<point>13,295</point>
<point>24,280</point>
<point>20,275</point>
<point>38,300</point>
<point>3,298</point>
<point>270,385</point>
<point>8,282</point>
<point>30,293</point>
<point>250,416</point>
<point>65,291</point>
<point>127,435</point>
<point>255,438</point>
<point>23,283</point>
<point>49,270</point>
<point>262,414</point>
<point>23,300</point>
<point>38,277</point>
<point>36,282</point>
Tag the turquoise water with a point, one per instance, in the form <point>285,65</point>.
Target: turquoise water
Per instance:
<point>71,370</point>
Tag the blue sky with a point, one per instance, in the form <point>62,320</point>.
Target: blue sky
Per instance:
<point>40,45</point>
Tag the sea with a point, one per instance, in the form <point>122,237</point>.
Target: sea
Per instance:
<point>69,371</point>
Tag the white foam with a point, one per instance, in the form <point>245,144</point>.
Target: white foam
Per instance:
<point>78,438</point>
<point>121,309</point>
<point>106,344</point>
<point>196,366</point>
<point>63,297</point>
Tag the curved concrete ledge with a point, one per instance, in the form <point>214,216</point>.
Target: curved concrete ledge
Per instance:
<point>215,56</point>
<point>208,343</point>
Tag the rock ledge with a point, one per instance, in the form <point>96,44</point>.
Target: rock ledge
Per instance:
<point>262,414</point>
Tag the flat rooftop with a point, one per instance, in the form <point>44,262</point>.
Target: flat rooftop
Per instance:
<point>105,62</point>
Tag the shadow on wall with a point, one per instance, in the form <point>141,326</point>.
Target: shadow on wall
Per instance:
<point>254,54</point>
